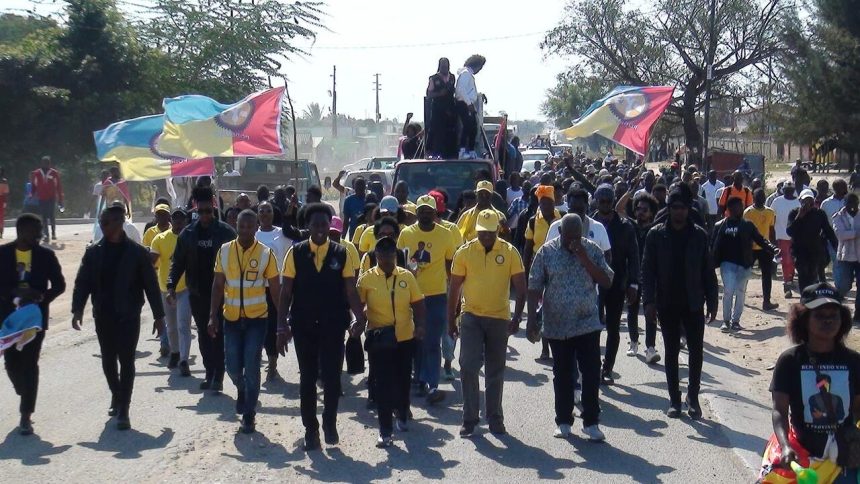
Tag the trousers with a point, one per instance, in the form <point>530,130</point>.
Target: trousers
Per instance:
<point>211,349</point>
<point>431,345</point>
<point>483,342</point>
<point>177,320</point>
<point>392,368</point>
<point>243,349</point>
<point>633,323</point>
<point>765,264</point>
<point>674,322</point>
<point>23,370</point>
<point>612,301</point>
<point>319,351</point>
<point>584,349</point>
<point>48,212</point>
<point>735,278</point>
<point>118,344</point>
<point>469,129</point>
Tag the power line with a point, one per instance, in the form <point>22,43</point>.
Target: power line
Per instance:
<point>437,44</point>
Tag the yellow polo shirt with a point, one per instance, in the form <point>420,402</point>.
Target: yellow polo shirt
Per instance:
<point>466,222</point>
<point>430,250</point>
<point>455,231</point>
<point>351,252</point>
<point>359,231</point>
<point>763,220</point>
<point>368,239</point>
<point>538,235</point>
<point>164,244</point>
<point>319,251</point>
<point>375,291</point>
<point>150,234</point>
<point>487,276</point>
<point>247,273</point>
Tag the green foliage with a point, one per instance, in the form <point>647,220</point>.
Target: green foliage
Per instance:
<point>573,94</point>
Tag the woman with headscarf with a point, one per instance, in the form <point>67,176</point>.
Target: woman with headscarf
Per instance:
<point>442,135</point>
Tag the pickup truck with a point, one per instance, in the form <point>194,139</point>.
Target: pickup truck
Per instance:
<point>269,171</point>
<point>454,176</point>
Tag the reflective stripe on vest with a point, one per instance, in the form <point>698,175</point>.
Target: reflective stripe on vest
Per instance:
<point>243,297</point>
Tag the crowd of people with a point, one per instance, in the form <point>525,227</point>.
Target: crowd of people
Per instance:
<point>571,243</point>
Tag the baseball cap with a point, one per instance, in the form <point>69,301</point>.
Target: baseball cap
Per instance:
<point>787,183</point>
<point>818,295</point>
<point>807,193</point>
<point>410,207</point>
<point>547,191</point>
<point>488,221</point>
<point>389,204</point>
<point>426,201</point>
<point>484,185</point>
<point>440,200</point>
<point>179,211</point>
<point>336,224</point>
<point>590,169</point>
<point>162,207</point>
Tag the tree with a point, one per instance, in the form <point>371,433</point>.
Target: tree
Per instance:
<point>670,46</point>
<point>313,113</point>
<point>572,95</point>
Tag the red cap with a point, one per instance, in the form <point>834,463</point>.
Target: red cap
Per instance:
<point>336,224</point>
<point>440,200</point>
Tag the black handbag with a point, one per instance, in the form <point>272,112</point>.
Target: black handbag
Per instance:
<point>384,338</point>
<point>354,356</point>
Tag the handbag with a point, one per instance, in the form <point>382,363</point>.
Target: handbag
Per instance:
<point>354,356</point>
<point>385,337</point>
<point>847,435</point>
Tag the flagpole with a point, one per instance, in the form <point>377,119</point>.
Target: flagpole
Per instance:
<point>295,136</point>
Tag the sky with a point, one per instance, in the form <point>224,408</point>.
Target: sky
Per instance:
<point>402,41</point>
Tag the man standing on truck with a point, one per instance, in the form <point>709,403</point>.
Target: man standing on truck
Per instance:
<point>466,94</point>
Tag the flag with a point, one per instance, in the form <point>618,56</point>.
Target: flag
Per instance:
<point>500,143</point>
<point>20,327</point>
<point>624,116</point>
<point>199,127</point>
<point>131,143</point>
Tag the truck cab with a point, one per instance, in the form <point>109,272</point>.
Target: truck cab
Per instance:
<point>269,171</point>
<point>454,176</point>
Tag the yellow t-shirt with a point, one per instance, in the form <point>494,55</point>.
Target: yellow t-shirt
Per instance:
<point>487,277</point>
<point>23,264</point>
<point>368,240</point>
<point>763,220</point>
<point>455,232</point>
<point>359,231</point>
<point>538,235</point>
<point>375,290</point>
<point>430,250</point>
<point>164,244</point>
<point>351,252</point>
<point>466,222</point>
<point>150,234</point>
<point>246,281</point>
<point>319,251</point>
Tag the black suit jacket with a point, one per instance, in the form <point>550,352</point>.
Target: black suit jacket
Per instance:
<point>46,276</point>
<point>135,277</point>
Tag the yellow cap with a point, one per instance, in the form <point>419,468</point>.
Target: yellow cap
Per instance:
<point>409,207</point>
<point>161,207</point>
<point>488,221</point>
<point>484,186</point>
<point>426,201</point>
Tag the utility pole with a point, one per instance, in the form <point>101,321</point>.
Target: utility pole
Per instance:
<point>709,82</point>
<point>334,102</point>
<point>377,87</point>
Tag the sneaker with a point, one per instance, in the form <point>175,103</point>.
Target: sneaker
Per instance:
<point>788,293</point>
<point>462,154</point>
<point>651,355</point>
<point>736,326</point>
<point>383,442</point>
<point>693,408</point>
<point>248,425</point>
<point>312,442</point>
<point>683,342</point>
<point>184,370</point>
<point>174,361</point>
<point>562,432</point>
<point>769,306</point>
<point>467,430</point>
<point>634,349</point>
<point>577,397</point>
<point>435,396</point>
<point>113,410</point>
<point>606,378</point>
<point>164,352</point>
<point>498,428</point>
<point>674,411</point>
<point>330,434</point>
<point>726,327</point>
<point>401,425</point>
<point>593,433</point>
<point>205,385</point>
<point>449,374</point>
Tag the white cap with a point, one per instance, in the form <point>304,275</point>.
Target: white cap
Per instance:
<point>806,193</point>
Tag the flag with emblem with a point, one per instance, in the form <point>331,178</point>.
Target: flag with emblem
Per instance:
<point>20,327</point>
<point>625,115</point>
<point>199,127</point>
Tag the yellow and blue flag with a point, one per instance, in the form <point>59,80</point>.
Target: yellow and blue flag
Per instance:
<point>132,144</point>
<point>20,327</point>
<point>199,127</point>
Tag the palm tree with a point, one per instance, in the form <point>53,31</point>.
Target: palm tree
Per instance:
<point>313,113</point>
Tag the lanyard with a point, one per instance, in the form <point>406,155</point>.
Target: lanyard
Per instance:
<point>242,276</point>
<point>393,310</point>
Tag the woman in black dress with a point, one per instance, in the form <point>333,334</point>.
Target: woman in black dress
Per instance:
<point>442,135</point>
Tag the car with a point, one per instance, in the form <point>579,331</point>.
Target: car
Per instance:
<point>454,176</point>
<point>559,148</point>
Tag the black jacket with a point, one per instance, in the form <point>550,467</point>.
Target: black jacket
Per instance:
<point>698,270</point>
<point>185,256</point>
<point>625,252</point>
<point>810,235</point>
<point>135,276</point>
<point>747,234</point>
<point>46,276</point>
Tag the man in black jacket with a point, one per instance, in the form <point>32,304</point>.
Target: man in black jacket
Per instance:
<point>677,280</point>
<point>625,265</point>
<point>195,254</point>
<point>116,272</point>
<point>30,273</point>
<point>810,230</point>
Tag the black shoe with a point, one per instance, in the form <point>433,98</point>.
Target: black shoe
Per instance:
<point>330,434</point>
<point>114,407</point>
<point>248,425</point>
<point>769,306</point>
<point>272,374</point>
<point>25,427</point>
<point>674,411</point>
<point>435,396</point>
<point>174,361</point>
<point>184,370</point>
<point>312,442</point>
<point>123,422</point>
<point>206,384</point>
<point>736,326</point>
<point>371,404</point>
<point>606,378</point>
<point>217,387</point>
<point>693,408</point>
<point>384,442</point>
<point>164,352</point>
<point>467,430</point>
<point>544,358</point>
<point>422,390</point>
<point>240,403</point>
<point>498,429</point>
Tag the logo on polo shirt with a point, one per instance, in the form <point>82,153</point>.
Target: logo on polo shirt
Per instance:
<point>500,259</point>
<point>254,263</point>
<point>402,284</point>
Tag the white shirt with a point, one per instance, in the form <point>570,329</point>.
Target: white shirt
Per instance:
<point>513,195</point>
<point>277,241</point>
<point>782,207</point>
<point>464,88</point>
<point>595,232</point>
<point>97,189</point>
<point>131,231</point>
<point>235,172</point>
<point>831,205</point>
<point>709,193</point>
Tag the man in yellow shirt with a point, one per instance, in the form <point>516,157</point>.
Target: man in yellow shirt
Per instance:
<point>448,343</point>
<point>764,219</point>
<point>395,315</point>
<point>484,270</point>
<point>468,220</point>
<point>318,293</point>
<point>430,250</point>
<point>177,310</point>
<point>162,224</point>
<point>537,227</point>
<point>243,270</point>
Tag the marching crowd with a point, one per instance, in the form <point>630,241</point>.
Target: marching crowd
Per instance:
<point>571,243</point>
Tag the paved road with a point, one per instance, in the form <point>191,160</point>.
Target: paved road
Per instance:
<point>181,434</point>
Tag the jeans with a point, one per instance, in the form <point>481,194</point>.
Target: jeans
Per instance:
<point>47,210</point>
<point>787,260</point>
<point>674,322</point>
<point>483,341</point>
<point>243,348</point>
<point>449,344</point>
<point>735,278</point>
<point>612,301</point>
<point>211,349</point>
<point>431,351</point>
<point>183,324</point>
<point>584,349</point>
<point>118,344</point>
<point>765,264</point>
<point>392,368</point>
<point>849,272</point>
<point>633,323</point>
<point>319,351</point>
<point>23,370</point>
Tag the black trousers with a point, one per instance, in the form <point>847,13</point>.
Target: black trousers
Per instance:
<point>633,323</point>
<point>612,301</point>
<point>566,353</point>
<point>442,135</point>
<point>765,263</point>
<point>211,349</point>
<point>319,351</point>
<point>469,128</point>
<point>391,369</point>
<point>673,323</point>
<point>23,370</point>
<point>271,343</point>
<point>810,270</point>
<point>118,344</point>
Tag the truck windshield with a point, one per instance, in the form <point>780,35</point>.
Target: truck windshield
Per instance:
<point>453,176</point>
